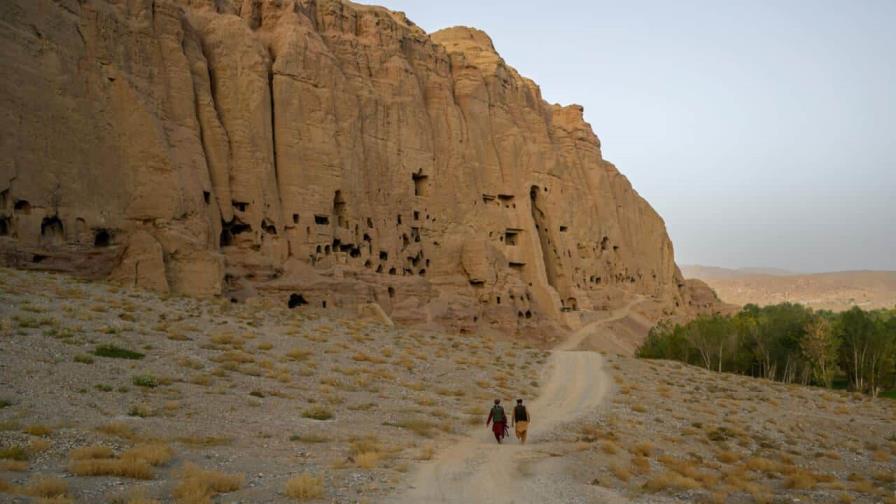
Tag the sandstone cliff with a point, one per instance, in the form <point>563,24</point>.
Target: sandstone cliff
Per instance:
<point>318,150</point>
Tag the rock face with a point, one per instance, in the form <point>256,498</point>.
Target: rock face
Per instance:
<point>311,149</point>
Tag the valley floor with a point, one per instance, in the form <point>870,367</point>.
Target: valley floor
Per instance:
<point>258,403</point>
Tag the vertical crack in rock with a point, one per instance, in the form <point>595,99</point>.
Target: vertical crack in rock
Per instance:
<point>551,261</point>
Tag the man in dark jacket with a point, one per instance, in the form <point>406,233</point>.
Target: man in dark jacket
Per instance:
<point>520,421</point>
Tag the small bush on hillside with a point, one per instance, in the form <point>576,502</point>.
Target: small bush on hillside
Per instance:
<point>115,352</point>
<point>317,413</point>
<point>305,487</point>
<point>13,453</point>
<point>146,380</point>
<point>83,359</point>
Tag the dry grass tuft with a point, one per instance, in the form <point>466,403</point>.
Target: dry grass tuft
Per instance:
<point>621,473</point>
<point>46,487</point>
<point>91,452</point>
<point>37,430</point>
<point>125,468</point>
<point>198,485</point>
<point>801,480</point>
<point>305,487</point>
<point>13,466</point>
<point>117,429</point>
<point>155,454</point>
<point>727,456</point>
<point>38,445</point>
<point>643,449</point>
<point>609,447</point>
<point>671,481</point>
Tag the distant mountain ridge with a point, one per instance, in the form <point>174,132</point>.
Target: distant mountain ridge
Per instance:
<point>837,291</point>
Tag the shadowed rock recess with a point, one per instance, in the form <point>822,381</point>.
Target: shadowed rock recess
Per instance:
<point>324,152</point>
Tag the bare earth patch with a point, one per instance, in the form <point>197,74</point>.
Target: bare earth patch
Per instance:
<point>126,395</point>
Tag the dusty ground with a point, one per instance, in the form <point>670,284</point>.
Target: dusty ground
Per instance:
<point>682,434</point>
<point>228,387</point>
<point>231,388</point>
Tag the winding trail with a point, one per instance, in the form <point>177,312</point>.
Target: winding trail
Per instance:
<point>475,469</point>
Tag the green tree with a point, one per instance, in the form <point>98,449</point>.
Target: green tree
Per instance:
<point>819,346</point>
<point>867,349</point>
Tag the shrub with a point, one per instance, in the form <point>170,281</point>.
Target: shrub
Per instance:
<point>125,468</point>
<point>13,465</point>
<point>83,359</point>
<point>317,413</point>
<point>117,429</point>
<point>304,487</point>
<point>37,430</point>
<point>671,481</point>
<point>621,473</point>
<point>199,485</point>
<point>145,380</point>
<point>114,352</point>
<point>13,453</point>
<point>368,460</point>
<point>155,454</point>
<point>46,487</point>
<point>141,410</point>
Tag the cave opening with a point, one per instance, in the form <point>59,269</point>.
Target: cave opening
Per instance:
<point>421,183</point>
<point>229,230</point>
<point>51,230</point>
<point>268,227</point>
<point>511,236</point>
<point>321,220</point>
<point>102,238</point>
<point>296,300</point>
<point>22,206</point>
<point>4,226</point>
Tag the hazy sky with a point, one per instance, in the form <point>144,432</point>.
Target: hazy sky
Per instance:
<point>764,132</point>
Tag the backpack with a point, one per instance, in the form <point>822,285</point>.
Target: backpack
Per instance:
<point>498,414</point>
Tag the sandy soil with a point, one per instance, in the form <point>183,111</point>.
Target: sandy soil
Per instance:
<point>476,469</point>
<point>236,388</point>
<point>233,388</point>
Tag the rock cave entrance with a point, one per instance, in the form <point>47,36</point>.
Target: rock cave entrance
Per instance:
<point>421,183</point>
<point>22,206</point>
<point>4,226</point>
<point>102,238</point>
<point>511,236</point>
<point>538,216</point>
<point>296,300</point>
<point>52,231</point>
<point>229,230</point>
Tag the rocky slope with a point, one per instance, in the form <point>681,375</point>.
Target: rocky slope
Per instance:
<point>320,151</point>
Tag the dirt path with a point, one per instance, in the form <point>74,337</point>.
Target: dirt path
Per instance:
<point>475,469</point>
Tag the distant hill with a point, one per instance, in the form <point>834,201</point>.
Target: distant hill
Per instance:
<point>704,272</point>
<point>836,291</point>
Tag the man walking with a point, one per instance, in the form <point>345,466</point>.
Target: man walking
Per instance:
<point>520,421</point>
<point>498,420</point>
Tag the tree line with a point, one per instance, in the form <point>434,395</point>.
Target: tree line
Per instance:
<point>789,343</point>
